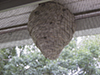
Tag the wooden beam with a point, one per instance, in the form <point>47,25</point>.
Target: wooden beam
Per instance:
<point>87,14</point>
<point>13,29</point>
<point>83,22</point>
<point>6,4</point>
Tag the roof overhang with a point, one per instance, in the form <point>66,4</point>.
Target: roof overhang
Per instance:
<point>14,16</point>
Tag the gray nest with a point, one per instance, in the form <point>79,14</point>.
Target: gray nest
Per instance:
<point>51,27</point>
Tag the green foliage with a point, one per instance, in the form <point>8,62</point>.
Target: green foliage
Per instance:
<point>76,59</point>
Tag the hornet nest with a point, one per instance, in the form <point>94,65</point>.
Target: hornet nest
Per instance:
<point>51,27</point>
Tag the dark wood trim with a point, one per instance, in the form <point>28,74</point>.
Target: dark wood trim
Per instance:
<point>87,14</point>
<point>13,3</point>
<point>13,29</point>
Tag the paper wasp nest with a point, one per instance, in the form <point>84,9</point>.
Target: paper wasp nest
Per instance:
<point>51,27</point>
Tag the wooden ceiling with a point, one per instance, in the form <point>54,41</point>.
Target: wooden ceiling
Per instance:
<point>14,16</point>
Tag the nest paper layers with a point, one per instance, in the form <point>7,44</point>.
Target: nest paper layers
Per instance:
<point>51,27</point>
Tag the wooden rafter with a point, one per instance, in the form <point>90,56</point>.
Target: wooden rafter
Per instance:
<point>6,4</point>
<point>24,26</point>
